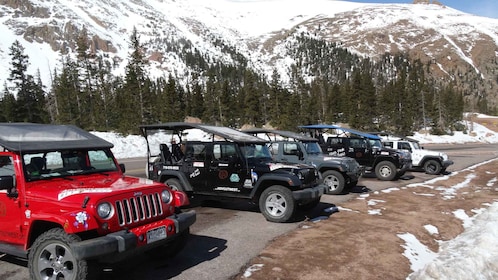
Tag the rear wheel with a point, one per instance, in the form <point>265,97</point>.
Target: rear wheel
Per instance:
<point>385,171</point>
<point>432,167</point>
<point>277,204</point>
<point>334,180</point>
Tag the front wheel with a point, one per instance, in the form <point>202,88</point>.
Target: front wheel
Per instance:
<point>334,180</point>
<point>432,167</point>
<point>174,184</point>
<point>385,171</point>
<point>50,257</point>
<point>277,204</point>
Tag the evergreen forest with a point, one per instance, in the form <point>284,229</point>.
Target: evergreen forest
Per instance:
<point>328,84</point>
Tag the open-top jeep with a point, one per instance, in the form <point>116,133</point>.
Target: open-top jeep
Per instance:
<point>432,162</point>
<point>388,164</point>
<point>66,205</point>
<point>224,163</point>
<point>288,146</point>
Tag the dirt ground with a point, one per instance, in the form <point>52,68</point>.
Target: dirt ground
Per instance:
<point>361,240</point>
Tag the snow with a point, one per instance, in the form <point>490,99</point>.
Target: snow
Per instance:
<point>241,23</point>
<point>468,256</point>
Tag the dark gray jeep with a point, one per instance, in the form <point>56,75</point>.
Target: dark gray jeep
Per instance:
<point>224,163</point>
<point>288,146</point>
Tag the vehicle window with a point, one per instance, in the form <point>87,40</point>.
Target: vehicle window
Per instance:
<point>403,146</point>
<point>6,166</point>
<point>274,148</point>
<point>290,149</point>
<point>224,152</point>
<point>388,144</point>
<point>195,151</point>
<point>256,151</point>
<point>312,148</point>
<point>358,143</point>
<point>334,140</point>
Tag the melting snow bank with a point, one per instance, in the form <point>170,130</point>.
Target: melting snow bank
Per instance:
<point>471,255</point>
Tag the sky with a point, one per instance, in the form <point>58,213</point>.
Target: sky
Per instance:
<point>485,8</point>
<point>452,261</point>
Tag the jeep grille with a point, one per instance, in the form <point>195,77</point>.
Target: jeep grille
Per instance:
<point>309,176</point>
<point>138,208</point>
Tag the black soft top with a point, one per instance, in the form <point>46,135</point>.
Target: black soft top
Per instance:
<point>283,133</point>
<point>32,137</point>
<point>221,131</point>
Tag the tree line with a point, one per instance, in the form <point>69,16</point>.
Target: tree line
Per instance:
<point>327,84</point>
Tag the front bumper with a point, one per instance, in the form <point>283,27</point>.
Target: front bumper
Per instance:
<point>309,193</point>
<point>127,241</point>
<point>405,165</point>
<point>446,163</point>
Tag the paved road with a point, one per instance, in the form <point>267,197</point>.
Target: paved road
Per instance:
<point>227,235</point>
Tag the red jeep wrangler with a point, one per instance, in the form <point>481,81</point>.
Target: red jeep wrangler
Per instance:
<point>65,203</point>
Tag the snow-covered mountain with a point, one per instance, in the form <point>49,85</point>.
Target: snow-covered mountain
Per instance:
<point>457,45</point>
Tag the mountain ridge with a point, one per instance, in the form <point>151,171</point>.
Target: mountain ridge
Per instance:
<point>454,44</point>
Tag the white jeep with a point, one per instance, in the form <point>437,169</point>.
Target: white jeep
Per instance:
<point>432,162</point>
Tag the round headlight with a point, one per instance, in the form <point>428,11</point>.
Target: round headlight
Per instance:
<point>166,196</point>
<point>104,210</point>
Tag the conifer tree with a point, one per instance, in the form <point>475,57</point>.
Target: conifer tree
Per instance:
<point>29,92</point>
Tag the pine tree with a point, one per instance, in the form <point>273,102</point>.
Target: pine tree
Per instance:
<point>30,97</point>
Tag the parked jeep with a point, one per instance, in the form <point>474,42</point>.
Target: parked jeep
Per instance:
<point>224,163</point>
<point>432,162</point>
<point>288,146</point>
<point>65,204</point>
<point>387,164</point>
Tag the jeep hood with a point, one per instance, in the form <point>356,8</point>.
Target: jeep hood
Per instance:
<point>97,186</point>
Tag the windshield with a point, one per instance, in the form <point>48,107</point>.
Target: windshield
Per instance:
<point>312,148</point>
<point>416,146</point>
<point>62,163</point>
<point>255,151</point>
<point>375,143</point>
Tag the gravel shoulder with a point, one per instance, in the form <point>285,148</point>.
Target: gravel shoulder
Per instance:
<point>362,240</point>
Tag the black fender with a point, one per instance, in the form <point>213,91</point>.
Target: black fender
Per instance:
<point>176,174</point>
<point>326,166</point>
<point>285,179</point>
<point>379,159</point>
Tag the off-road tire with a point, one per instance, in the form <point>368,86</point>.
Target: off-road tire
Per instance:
<point>385,171</point>
<point>171,249</point>
<point>432,167</point>
<point>50,257</point>
<point>277,204</point>
<point>174,184</point>
<point>334,180</point>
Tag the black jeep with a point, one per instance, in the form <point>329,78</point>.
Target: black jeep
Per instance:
<point>220,163</point>
<point>387,164</point>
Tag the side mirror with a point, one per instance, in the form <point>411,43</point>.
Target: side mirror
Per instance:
<point>6,182</point>
<point>122,167</point>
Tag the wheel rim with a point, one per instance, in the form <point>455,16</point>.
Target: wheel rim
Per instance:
<point>56,261</point>
<point>276,205</point>
<point>332,182</point>
<point>385,171</point>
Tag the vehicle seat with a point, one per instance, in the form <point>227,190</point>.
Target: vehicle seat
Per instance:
<point>39,163</point>
<point>165,153</point>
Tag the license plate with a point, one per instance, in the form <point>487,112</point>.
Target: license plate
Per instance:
<point>156,234</point>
